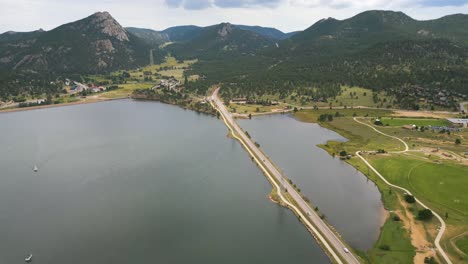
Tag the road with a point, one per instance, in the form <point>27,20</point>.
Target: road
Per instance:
<point>442,223</point>
<point>322,232</point>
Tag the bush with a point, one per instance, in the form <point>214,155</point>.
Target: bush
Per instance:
<point>384,247</point>
<point>396,218</point>
<point>343,153</point>
<point>409,198</point>
<point>430,260</point>
<point>425,214</point>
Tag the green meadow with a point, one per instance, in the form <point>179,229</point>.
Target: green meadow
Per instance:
<point>391,121</point>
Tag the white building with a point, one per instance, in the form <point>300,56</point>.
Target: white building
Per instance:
<point>459,121</point>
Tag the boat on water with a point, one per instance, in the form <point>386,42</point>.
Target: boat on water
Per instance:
<point>28,258</point>
<point>35,168</point>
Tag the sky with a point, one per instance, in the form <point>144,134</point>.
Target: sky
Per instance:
<point>286,15</point>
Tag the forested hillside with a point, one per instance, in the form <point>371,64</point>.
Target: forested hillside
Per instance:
<point>379,50</point>
<point>221,41</point>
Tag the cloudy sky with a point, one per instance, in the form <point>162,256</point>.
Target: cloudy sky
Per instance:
<point>286,15</point>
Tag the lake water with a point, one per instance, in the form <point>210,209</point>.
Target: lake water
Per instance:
<point>350,202</point>
<point>141,182</point>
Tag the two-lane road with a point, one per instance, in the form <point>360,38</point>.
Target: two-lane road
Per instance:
<point>329,240</point>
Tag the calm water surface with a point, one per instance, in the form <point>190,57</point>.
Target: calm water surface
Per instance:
<point>350,202</point>
<point>137,182</point>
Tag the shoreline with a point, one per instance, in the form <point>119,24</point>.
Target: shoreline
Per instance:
<point>20,109</point>
<point>440,254</point>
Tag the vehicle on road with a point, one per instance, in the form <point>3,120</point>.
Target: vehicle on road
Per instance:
<point>346,250</point>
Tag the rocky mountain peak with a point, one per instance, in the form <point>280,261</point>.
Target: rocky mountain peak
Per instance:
<point>107,25</point>
<point>225,29</point>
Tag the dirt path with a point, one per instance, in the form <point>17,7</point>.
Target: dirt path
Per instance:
<point>419,240</point>
<point>441,231</point>
<point>404,113</point>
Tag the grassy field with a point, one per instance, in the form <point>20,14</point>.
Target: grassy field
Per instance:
<point>428,138</point>
<point>125,90</point>
<point>356,96</point>
<point>440,185</point>
<point>414,121</point>
<point>344,99</point>
<point>170,67</point>
<point>444,185</point>
<point>394,236</point>
<point>360,137</point>
<point>462,244</point>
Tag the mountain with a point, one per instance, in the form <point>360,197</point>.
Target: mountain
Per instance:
<point>182,33</point>
<point>272,33</point>
<point>187,33</point>
<point>97,43</point>
<point>152,37</point>
<point>220,40</point>
<point>13,36</point>
<point>379,50</point>
<point>371,27</point>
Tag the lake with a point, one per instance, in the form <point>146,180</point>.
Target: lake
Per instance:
<point>140,182</point>
<point>350,202</point>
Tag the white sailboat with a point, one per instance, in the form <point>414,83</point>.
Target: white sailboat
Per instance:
<point>35,168</point>
<point>28,258</point>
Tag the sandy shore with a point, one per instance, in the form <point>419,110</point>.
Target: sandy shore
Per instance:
<point>90,101</point>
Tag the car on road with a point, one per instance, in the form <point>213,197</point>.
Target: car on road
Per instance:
<point>309,214</point>
<point>346,250</point>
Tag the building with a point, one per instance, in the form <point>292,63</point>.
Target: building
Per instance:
<point>409,127</point>
<point>463,122</point>
<point>241,100</point>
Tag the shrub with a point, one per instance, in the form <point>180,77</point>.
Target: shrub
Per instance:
<point>396,218</point>
<point>425,214</point>
<point>430,260</point>
<point>409,198</point>
<point>384,247</point>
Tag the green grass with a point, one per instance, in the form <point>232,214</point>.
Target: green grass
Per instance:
<point>310,115</point>
<point>360,137</point>
<point>125,90</point>
<point>462,244</point>
<point>428,138</point>
<point>359,99</point>
<point>394,235</point>
<point>411,121</point>
<point>443,185</point>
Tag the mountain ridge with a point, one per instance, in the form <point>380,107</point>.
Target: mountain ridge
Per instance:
<point>96,43</point>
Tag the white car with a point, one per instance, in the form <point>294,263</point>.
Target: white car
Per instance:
<point>346,250</point>
<point>309,214</point>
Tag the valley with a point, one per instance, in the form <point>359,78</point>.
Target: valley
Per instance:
<point>392,87</point>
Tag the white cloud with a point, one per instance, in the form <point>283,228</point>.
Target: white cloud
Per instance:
<point>287,15</point>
